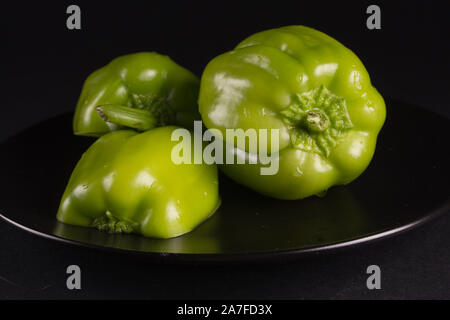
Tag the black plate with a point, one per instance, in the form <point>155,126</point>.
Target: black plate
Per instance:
<point>406,184</point>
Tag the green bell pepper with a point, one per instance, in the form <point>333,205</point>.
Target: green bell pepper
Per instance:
<point>132,86</point>
<point>127,182</point>
<point>311,88</point>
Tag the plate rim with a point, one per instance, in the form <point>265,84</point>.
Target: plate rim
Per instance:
<point>439,210</point>
<point>242,256</point>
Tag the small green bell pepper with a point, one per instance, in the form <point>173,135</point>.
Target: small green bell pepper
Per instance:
<point>146,83</point>
<point>311,88</point>
<point>127,182</point>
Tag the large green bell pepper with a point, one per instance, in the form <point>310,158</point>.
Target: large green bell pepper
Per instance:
<point>311,88</point>
<point>146,81</point>
<point>127,182</point>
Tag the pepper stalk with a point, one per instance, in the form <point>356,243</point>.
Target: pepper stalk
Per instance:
<point>138,119</point>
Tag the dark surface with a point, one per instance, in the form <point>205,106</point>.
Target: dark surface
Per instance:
<point>414,265</point>
<point>391,196</point>
<point>45,64</point>
<point>407,59</point>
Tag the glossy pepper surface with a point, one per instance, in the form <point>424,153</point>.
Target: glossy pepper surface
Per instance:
<point>127,182</point>
<point>311,88</point>
<point>141,81</point>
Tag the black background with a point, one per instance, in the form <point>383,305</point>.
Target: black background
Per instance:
<point>408,59</point>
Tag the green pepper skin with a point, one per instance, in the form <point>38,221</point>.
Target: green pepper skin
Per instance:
<point>310,87</point>
<point>145,80</point>
<point>127,182</point>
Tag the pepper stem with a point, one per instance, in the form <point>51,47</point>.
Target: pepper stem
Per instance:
<point>316,121</point>
<point>111,224</point>
<point>138,119</point>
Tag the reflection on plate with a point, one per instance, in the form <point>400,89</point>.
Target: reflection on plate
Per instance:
<point>406,184</point>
